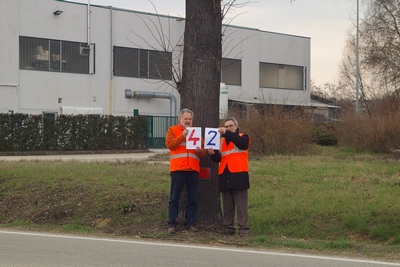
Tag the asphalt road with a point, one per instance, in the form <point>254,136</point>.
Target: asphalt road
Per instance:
<point>24,249</point>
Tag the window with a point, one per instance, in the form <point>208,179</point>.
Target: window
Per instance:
<point>140,63</point>
<point>231,71</point>
<point>52,55</point>
<point>281,76</point>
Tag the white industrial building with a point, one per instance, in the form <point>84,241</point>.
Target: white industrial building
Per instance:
<point>69,58</point>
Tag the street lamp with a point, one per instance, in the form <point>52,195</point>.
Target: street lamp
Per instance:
<point>358,10</point>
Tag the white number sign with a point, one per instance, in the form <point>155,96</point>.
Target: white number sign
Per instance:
<point>211,138</point>
<point>193,138</point>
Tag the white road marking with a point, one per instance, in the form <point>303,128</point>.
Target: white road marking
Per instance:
<point>199,247</point>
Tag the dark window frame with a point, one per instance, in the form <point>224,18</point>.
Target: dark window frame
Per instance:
<point>44,54</point>
<point>231,71</point>
<point>281,76</point>
<point>142,63</point>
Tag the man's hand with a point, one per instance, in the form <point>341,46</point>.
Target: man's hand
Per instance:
<point>222,130</point>
<point>185,132</point>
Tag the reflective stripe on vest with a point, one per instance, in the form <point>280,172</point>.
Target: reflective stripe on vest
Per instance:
<point>184,155</point>
<point>234,150</point>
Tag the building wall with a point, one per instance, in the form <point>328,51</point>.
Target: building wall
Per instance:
<point>254,46</point>
<point>34,92</point>
<point>9,84</point>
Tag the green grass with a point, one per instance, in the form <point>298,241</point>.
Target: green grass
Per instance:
<point>324,198</point>
<point>331,200</point>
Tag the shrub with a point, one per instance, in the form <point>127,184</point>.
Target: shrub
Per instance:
<point>24,132</point>
<point>276,129</point>
<point>375,128</point>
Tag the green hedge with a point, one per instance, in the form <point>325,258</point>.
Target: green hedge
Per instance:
<point>24,132</point>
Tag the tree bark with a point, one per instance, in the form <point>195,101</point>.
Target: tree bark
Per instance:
<point>200,89</point>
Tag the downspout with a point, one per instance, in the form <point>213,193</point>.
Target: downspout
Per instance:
<point>90,61</point>
<point>88,24</point>
<point>143,94</point>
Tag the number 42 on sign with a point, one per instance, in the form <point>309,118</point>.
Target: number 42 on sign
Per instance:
<point>211,138</point>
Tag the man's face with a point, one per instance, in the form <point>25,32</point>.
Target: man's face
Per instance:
<point>186,120</point>
<point>230,126</point>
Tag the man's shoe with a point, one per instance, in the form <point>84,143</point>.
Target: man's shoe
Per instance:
<point>192,229</point>
<point>171,230</point>
<point>226,232</point>
<point>243,234</point>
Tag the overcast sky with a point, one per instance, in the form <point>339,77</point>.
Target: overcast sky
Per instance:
<point>326,22</point>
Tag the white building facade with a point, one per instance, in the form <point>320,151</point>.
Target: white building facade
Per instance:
<point>71,58</point>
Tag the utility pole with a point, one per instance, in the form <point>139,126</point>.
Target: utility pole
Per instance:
<point>357,33</point>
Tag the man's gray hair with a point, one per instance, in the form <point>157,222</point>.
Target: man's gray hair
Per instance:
<point>231,119</point>
<point>184,111</point>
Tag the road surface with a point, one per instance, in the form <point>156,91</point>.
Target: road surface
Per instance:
<point>25,249</point>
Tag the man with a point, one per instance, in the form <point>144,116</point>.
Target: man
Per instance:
<point>233,175</point>
<point>184,171</point>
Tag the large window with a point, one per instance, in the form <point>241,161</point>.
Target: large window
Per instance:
<point>231,71</point>
<point>281,76</point>
<point>53,55</point>
<point>140,63</point>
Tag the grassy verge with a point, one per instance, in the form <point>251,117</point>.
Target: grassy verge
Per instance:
<point>330,201</point>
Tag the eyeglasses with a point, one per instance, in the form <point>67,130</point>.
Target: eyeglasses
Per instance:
<point>229,126</point>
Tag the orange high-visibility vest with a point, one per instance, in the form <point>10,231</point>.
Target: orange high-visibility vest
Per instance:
<point>182,159</point>
<point>235,158</point>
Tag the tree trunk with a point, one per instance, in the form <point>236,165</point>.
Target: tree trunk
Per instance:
<point>201,76</point>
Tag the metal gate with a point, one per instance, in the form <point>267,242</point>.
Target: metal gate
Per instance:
<point>158,126</point>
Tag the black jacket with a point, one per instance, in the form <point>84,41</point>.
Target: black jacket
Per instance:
<point>229,180</point>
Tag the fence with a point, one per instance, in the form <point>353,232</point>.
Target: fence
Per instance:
<point>157,128</point>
